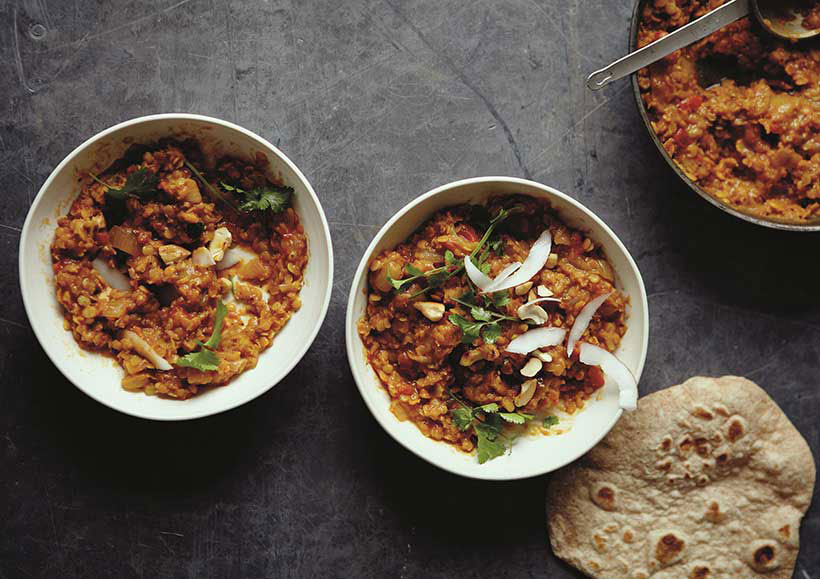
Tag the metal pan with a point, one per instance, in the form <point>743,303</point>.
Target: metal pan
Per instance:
<point>774,224</point>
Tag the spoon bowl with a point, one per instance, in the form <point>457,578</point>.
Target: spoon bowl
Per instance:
<point>786,20</point>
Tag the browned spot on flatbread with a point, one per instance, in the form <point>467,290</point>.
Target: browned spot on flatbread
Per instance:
<point>785,532</point>
<point>685,445</point>
<point>703,413</point>
<point>699,572</point>
<point>713,513</point>
<point>736,429</point>
<point>669,548</point>
<point>604,495</point>
<point>764,555</point>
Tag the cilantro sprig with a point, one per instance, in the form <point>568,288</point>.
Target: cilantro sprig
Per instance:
<point>272,198</point>
<point>487,422</point>
<point>484,323</point>
<point>139,184</point>
<point>206,359</point>
<point>215,193</point>
<point>453,265</point>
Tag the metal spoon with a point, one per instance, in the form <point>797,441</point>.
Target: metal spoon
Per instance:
<point>769,13</point>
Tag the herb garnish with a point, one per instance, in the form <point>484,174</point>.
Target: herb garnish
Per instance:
<point>273,198</point>
<point>550,421</point>
<point>486,322</point>
<point>452,265</point>
<point>206,359</point>
<point>138,184</point>
<point>487,423</point>
<point>215,193</point>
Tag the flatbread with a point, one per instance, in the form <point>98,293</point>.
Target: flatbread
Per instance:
<point>706,479</point>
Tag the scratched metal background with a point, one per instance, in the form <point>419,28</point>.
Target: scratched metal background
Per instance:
<point>377,101</point>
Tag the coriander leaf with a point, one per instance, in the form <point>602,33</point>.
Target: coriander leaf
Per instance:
<point>493,421</point>
<point>490,445</point>
<point>215,193</point>
<point>273,198</point>
<point>462,418</point>
<point>204,360</point>
<point>484,268</point>
<point>470,329</point>
<point>550,421</point>
<point>515,417</point>
<point>490,408</point>
<point>438,278</point>
<point>138,184</point>
<point>219,317</point>
<point>413,270</point>
<point>468,297</point>
<point>491,332</point>
<point>230,188</point>
<point>500,298</point>
<point>449,257</point>
<point>496,245</point>
<point>481,314</point>
<point>397,283</point>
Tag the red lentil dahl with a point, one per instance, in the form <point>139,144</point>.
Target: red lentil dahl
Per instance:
<point>171,306</point>
<point>424,366</point>
<point>750,139</point>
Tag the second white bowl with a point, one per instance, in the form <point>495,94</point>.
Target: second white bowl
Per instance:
<point>532,455</point>
<point>99,376</point>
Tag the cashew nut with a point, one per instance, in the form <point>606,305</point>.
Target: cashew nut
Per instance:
<point>433,311</point>
<point>522,289</point>
<point>532,367</point>
<point>526,394</point>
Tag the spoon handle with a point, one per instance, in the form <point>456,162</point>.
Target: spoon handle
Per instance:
<point>683,36</point>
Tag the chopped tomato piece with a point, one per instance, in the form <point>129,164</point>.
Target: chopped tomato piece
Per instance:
<point>468,233</point>
<point>595,377</point>
<point>691,104</point>
<point>682,138</point>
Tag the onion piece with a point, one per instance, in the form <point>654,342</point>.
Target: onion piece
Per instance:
<point>113,277</point>
<point>233,256</point>
<point>583,320</point>
<point>478,277</point>
<point>144,349</point>
<point>537,257</point>
<point>125,240</point>
<point>201,256</point>
<point>615,369</point>
<point>535,339</point>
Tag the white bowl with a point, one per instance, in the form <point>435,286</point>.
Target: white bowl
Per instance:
<point>531,455</point>
<point>99,376</point>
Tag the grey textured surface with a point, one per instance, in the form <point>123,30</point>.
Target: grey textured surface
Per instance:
<point>377,101</point>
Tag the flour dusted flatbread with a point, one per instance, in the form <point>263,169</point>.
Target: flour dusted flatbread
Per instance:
<point>707,479</point>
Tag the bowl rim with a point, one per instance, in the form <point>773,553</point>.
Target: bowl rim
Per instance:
<point>636,92</point>
<point>243,397</point>
<point>351,332</point>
